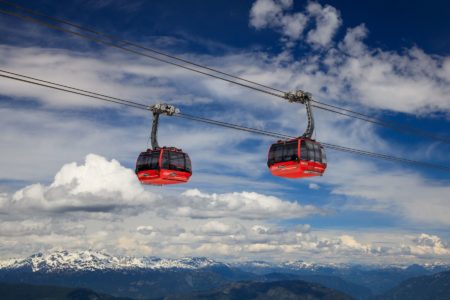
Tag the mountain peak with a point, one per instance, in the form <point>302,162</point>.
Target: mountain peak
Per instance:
<point>89,260</point>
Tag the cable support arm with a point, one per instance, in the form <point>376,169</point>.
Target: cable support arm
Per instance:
<point>158,109</point>
<point>304,98</point>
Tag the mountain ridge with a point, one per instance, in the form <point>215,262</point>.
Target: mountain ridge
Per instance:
<point>89,260</point>
<point>97,260</point>
<point>144,277</point>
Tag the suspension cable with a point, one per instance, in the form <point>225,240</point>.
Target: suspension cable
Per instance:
<point>123,48</point>
<point>130,43</point>
<point>99,96</point>
<point>121,44</point>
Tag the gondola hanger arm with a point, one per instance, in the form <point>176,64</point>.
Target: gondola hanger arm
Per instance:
<point>158,109</point>
<point>305,98</point>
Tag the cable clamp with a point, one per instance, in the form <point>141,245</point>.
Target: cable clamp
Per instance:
<point>162,108</point>
<point>298,96</point>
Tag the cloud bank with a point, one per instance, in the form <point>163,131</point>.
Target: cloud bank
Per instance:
<point>99,204</point>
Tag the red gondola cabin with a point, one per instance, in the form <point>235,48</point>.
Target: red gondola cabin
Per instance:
<point>163,166</point>
<point>297,158</point>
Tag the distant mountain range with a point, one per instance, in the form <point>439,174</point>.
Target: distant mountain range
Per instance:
<point>152,277</point>
<point>289,290</point>
<point>37,292</point>
<point>280,290</point>
<point>94,260</point>
<point>432,287</point>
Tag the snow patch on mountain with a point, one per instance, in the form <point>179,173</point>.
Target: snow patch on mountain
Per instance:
<point>94,260</point>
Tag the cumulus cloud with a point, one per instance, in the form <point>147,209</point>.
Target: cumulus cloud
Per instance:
<point>75,210</point>
<point>244,205</point>
<point>244,229</point>
<point>260,229</point>
<point>97,186</point>
<point>100,186</point>
<point>327,19</point>
<point>348,241</point>
<point>350,71</point>
<point>426,244</point>
<point>264,12</point>
<point>271,14</point>
<point>342,71</point>
<point>275,14</point>
<point>387,79</point>
<point>219,228</point>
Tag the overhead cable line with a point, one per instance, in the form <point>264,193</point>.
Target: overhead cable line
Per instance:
<point>99,96</point>
<point>123,48</point>
<point>66,88</point>
<point>127,42</point>
<point>121,44</point>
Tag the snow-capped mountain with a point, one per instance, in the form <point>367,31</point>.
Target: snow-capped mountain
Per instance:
<point>153,277</point>
<point>288,265</point>
<point>95,260</point>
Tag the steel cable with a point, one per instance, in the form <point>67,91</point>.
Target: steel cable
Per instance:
<point>323,106</point>
<point>129,103</point>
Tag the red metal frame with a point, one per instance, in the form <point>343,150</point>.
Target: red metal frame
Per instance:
<point>300,168</point>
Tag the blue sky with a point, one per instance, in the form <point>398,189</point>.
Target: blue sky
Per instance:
<point>388,60</point>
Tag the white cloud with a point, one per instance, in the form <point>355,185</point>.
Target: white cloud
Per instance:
<point>99,187</point>
<point>264,12</point>
<point>86,188</point>
<point>256,248</point>
<point>105,187</point>
<point>314,186</point>
<point>327,19</point>
<point>410,81</point>
<point>244,205</point>
<point>386,79</point>
<point>274,14</point>
<point>348,241</point>
<point>146,230</point>
<point>39,227</point>
<point>270,14</point>
<point>348,70</point>
<point>71,138</point>
<point>219,228</point>
<point>402,193</point>
<point>426,244</point>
